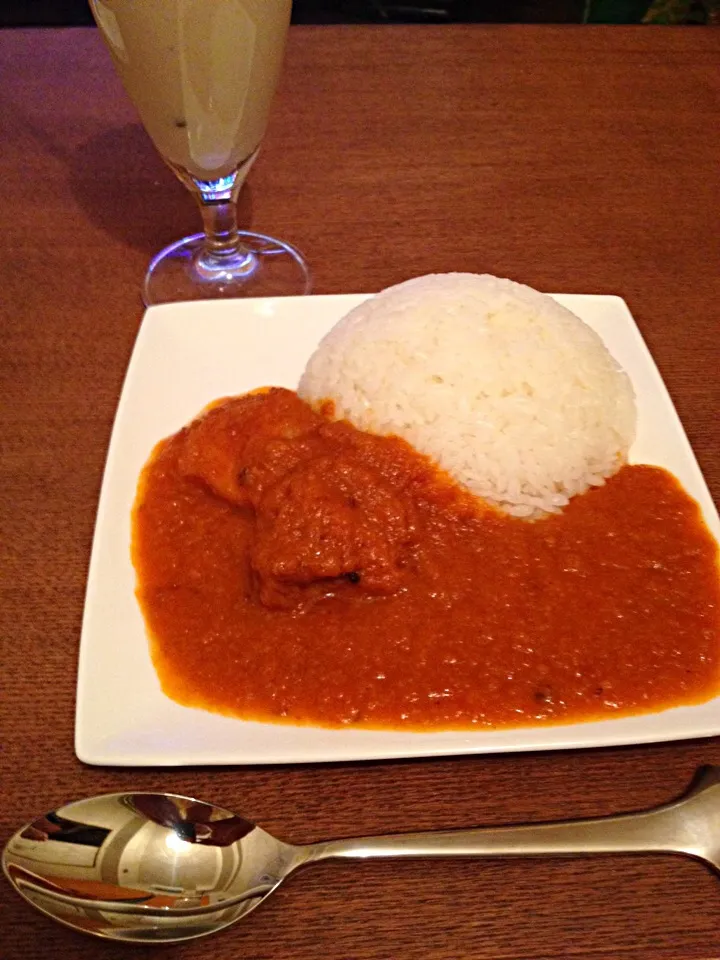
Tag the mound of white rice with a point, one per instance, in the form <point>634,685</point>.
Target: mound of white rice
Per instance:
<point>512,394</point>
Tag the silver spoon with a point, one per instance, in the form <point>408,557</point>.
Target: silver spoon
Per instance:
<point>160,868</point>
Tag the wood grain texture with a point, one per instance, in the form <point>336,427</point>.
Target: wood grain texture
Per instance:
<point>574,159</point>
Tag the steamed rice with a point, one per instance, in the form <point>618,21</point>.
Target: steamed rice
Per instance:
<point>506,390</point>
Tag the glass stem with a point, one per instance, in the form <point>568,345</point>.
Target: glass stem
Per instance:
<point>221,229</point>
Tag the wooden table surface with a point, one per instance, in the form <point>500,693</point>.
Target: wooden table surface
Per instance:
<point>576,159</point>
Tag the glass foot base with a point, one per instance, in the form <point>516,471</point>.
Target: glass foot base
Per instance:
<point>266,268</point>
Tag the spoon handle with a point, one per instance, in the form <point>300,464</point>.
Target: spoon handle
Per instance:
<point>686,826</point>
<point>651,832</point>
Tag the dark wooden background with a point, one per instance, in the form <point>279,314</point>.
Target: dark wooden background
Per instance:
<point>576,159</point>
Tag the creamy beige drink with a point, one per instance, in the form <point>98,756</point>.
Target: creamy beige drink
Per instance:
<point>201,73</point>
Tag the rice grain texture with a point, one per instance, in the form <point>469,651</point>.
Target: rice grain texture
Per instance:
<point>512,394</point>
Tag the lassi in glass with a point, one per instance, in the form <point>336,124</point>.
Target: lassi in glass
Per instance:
<point>202,74</point>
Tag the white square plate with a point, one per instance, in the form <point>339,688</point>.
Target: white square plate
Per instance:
<point>191,353</point>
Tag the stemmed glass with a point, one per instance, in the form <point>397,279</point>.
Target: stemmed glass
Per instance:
<point>202,74</point>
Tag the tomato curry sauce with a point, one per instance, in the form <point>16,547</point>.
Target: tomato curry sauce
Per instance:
<point>294,569</point>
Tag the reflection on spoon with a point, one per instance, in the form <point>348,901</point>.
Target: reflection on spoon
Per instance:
<point>154,867</point>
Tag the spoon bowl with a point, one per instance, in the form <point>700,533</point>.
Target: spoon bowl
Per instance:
<point>149,867</point>
<point>163,868</point>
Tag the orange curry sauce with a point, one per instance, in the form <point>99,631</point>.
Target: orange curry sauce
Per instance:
<point>293,569</point>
